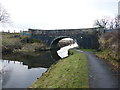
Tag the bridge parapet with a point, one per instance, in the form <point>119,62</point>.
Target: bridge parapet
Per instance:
<point>86,38</point>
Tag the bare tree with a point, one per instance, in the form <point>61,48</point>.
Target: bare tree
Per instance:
<point>102,22</point>
<point>4,16</point>
<point>107,23</point>
<point>114,23</point>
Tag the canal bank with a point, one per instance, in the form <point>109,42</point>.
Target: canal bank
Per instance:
<point>16,43</point>
<point>27,66</point>
<point>70,72</point>
<point>21,70</point>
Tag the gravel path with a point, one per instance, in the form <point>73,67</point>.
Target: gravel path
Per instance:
<point>101,74</point>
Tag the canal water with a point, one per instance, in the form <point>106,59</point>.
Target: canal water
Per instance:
<point>21,70</point>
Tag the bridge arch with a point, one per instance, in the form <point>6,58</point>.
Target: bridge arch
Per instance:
<point>89,36</point>
<point>57,39</point>
<point>54,47</point>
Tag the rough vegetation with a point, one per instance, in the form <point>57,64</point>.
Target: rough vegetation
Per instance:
<point>10,42</point>
<point>109,48</point>
<point>109,42</point>
<point>14,42</point>
<point>70,72</point>
<point>109,45</point>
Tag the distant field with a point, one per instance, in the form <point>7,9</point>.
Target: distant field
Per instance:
<point>10,38</point>
<point>15,42</point>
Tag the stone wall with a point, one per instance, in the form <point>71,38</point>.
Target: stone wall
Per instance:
<point>89,36</point>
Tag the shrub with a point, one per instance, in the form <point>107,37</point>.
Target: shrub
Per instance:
<point>9,42</point>
<point>30,40</point>
<point>110,41</point>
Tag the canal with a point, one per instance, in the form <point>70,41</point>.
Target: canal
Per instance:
<point>21,70</point>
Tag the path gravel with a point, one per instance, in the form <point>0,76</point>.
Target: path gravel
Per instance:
<point>101,75</point>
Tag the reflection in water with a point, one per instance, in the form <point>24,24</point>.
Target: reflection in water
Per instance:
<point>55,55</point>
<point>17,75</point>
<point>32,61</point>
<point>21,70</point>
<point>63,52</point>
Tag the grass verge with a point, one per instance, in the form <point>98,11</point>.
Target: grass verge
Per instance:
<point>105,55</point>
<point>89,50</point>
<point>70,72</point>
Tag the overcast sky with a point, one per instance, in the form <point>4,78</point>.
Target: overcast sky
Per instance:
<point>58,14</point>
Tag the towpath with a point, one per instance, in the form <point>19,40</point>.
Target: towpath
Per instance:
<point>101,75</point>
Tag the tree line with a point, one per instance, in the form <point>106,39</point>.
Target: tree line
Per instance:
<point>4,15</point>
<point>108,23</point>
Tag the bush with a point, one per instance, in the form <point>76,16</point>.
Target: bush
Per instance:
<point>9,42</point>
<point>110,42</point>
<point>30,40</point>
<point>30,47</point>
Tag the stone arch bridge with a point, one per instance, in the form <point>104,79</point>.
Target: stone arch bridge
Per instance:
<point>86,38</point>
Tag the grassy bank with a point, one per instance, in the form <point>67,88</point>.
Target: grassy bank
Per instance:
<point>70,72</point>
<point>89,50</point>
<point>106,55</point>
<point>15,42</point>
